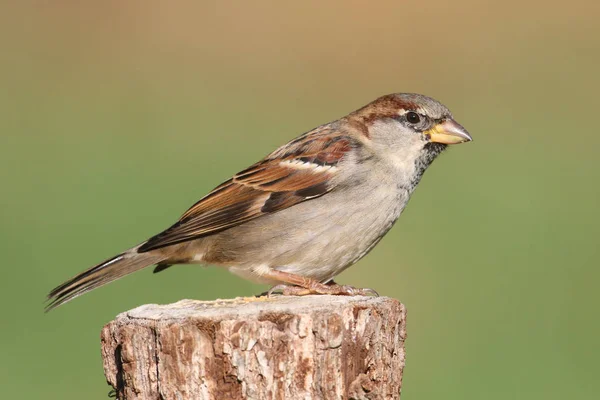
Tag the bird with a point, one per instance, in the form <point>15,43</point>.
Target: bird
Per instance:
<point>305,212</point>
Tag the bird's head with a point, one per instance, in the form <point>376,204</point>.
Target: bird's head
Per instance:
<point>407,126</point>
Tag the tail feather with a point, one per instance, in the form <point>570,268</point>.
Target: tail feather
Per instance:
<point>101,274</point>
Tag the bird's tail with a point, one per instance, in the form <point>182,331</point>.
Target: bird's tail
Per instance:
<point>101,274</point>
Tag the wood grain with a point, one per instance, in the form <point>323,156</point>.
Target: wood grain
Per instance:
<point>311,347</point>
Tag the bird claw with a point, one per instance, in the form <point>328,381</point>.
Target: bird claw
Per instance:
<point>352,291</point>
<point>335,289</point>
<point>289,290</point>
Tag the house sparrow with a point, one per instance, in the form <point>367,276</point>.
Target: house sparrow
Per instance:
<point>307,211</point>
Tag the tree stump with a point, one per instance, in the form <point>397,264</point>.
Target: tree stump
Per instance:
<point>284,347</point>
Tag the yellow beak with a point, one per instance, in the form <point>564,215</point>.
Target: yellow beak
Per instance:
<point>448,132</point>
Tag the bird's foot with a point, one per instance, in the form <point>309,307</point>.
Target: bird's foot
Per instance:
<point>296,285</point>
<point>288,290</point>
<point>319,288</point>
<point>356,291</point>
<point>347,290</point>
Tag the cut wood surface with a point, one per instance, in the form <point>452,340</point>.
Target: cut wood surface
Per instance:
<point>283,347</point>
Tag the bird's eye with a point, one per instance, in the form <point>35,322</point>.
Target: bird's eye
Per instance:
<point>413,117</point>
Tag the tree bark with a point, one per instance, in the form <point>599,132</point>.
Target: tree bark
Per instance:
<point>284,347</point>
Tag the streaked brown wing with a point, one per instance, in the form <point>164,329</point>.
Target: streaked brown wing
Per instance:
<point>299,171</point>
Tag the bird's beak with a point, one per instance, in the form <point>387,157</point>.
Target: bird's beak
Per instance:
<point>448,132</point>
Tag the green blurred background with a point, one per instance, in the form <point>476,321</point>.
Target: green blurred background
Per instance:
<point>116,116</point>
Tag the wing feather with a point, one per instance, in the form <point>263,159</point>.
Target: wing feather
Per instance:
<point>299,171</point>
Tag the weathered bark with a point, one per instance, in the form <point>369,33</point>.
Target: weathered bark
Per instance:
<point>311,347</point>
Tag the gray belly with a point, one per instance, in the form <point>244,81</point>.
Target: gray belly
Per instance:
<point>317,239</point>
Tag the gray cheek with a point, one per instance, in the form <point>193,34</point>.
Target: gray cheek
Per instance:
<point>392,134</point>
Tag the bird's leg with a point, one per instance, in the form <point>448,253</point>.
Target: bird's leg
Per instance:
<point>297,285</point>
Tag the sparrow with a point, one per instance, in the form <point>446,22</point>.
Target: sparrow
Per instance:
<point>305,212</point>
